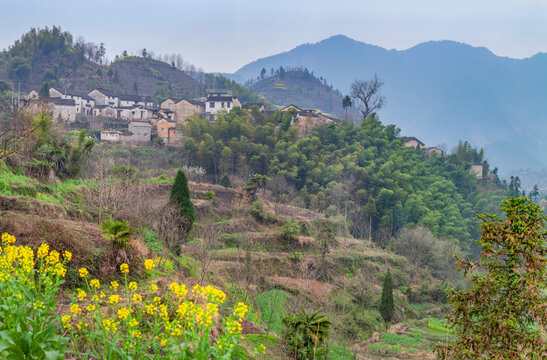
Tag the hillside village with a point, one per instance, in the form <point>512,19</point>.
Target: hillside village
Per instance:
<point>144,120</point>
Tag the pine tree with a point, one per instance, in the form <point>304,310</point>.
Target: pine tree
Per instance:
<point>386,303</point>
<point>180,198</point>
<point>225,181</point>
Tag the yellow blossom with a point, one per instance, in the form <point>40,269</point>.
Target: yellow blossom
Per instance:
<point>83,272</point>
<point>81,295</point>
<point>153,288</point>
<point>95,283</point>
<point>67,255</point>
<point>149,264</point>
<point>124,313</point>
<point>75,309</point>
<point>114,299</point>
<point>124,268</point>
<point>133,286</point>
<point>42,250</point>
<point>114,285</point>
<point>137,298</point>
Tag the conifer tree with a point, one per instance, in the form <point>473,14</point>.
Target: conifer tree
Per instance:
<point>386,303</point>
<point>180,198</point>
<point>225,181</point>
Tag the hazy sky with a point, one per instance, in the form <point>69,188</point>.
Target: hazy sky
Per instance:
<point>223,35</point>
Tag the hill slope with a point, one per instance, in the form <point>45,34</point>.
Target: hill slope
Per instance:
<point>302,89</point>
<point>441,92</point>
<point>52,56</point>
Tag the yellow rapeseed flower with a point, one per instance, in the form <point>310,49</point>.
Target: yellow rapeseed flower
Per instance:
<point>81,295</point>
<point>95,283</point>
<point>83,272</point>
<point>75,309</point>
<point>133,286</point>
<point>114,285</point>
<point>149,264</point>
<point>124,268</point>
<point>67,255</point>
<point>124,313</point>
<point>153,288</point>
<point>137,298</point>
<point>43,250</point>
<point>114,299</point>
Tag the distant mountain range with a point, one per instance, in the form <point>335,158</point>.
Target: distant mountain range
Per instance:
<point>441,92</point>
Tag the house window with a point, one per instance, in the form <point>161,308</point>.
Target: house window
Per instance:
<point>228,105</point>
<point>212,104</point>
<point>222,104</point>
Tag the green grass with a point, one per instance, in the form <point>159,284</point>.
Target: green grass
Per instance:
<point>338,352</point>
<point>152,240</point>
<point>272,307</point>
<point>395,339</point>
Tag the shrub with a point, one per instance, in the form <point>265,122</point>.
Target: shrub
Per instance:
<point>289,231</point>
<point>225,181</point>
<point>119,232</point>
<point>257,211</point>
<point>29,285</point>
<point>210,194</point>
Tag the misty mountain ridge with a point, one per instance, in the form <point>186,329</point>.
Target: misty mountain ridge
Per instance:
<point>441,92</point>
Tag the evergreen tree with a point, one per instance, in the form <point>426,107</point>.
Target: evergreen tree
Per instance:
<point>386,303</point>
<point>225,181</point>
<point>180,198</point>
<point>44,90</point>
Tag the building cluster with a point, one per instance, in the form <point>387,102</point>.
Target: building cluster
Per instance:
<point>143,118</point>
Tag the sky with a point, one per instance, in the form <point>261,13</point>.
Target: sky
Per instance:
<point>224,35</point>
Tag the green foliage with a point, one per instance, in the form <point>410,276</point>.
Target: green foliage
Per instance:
<point>180,197</point>
<point>123,172</point>
<point>272,308</point>
<point>386,302</point>
<point>258,212</point>
<point>306,335</point>
<point>210,194</point>
<point>118,232</point>
<point>225,181</point>
<point>152,241</point>
<point>502,314</point>
<point>364,171</point>
<point>289,231</point>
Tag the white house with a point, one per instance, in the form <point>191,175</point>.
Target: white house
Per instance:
<point>110,136</point>
<point>84,103</point>
<point>132,100</point>
<point>134,112</point>
<point>142,131</point>
<point>220,100</point>
<point>105,111</point>
<point>105,97</point>
<point>63,110</point>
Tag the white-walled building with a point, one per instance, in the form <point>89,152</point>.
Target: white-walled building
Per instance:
<point>84,103</point>
<point>220,100</point>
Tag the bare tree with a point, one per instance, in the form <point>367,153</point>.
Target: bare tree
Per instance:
<point>15,127</point>
<point>416,245</point>
<point>208,240</point>
<point>367,93</point>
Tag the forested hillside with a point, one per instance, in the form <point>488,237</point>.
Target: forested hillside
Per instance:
<point>301,88</point>
<point>52,56</point>
<point>361,172</point>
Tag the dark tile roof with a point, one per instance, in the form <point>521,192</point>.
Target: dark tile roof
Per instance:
<point>135,98</point>
<point>100,107</point>
<point>410,138</point>
<point>61,101</point>
<point>220,98</point>
<point>195,102</point>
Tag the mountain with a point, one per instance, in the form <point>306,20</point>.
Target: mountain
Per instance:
<point>50,55</point>
<point>301,88</point>
<point>441,92</point>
